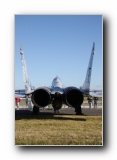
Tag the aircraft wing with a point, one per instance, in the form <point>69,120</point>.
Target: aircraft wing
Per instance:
<point>96,93</point>
<point>20,93</point>
<point>19,96</point>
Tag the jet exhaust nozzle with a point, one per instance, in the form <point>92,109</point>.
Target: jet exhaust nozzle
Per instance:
<point>73,97</point>
<point>41,97</point>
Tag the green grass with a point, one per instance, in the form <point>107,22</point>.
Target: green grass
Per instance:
<point>59,130</point>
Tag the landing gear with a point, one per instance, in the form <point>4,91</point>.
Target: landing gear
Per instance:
<point>78,110</point>
<point>56,111</point>
<point>57,104</point>
<point>35,110</point>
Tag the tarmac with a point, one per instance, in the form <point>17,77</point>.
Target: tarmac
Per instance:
<point>63,111</point>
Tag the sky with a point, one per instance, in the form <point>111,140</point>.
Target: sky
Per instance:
<point>58,45</point>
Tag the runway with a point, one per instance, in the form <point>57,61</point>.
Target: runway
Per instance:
<point>65,111</point>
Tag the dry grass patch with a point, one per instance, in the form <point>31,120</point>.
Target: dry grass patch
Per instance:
<point>59,130</point>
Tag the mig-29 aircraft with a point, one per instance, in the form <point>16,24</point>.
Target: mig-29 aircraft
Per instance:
<point>57,95</point>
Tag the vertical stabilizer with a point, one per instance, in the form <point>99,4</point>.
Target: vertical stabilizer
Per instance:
<point>25,74</point>
<point>86,85</point>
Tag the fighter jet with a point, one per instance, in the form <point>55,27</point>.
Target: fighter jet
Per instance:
<point>58,95</point>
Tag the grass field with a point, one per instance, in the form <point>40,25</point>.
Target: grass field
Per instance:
<point>58,130</point>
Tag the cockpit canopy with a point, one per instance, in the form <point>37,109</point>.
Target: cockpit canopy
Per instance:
<point>57,82</point>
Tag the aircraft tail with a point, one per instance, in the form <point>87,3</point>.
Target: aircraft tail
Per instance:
<point>25,73</point>
<point>86,85</point>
